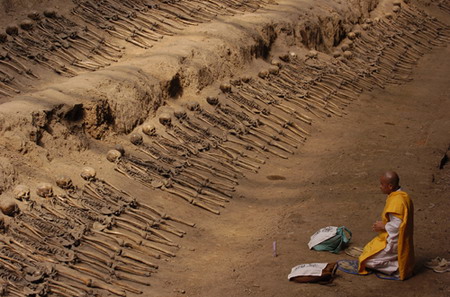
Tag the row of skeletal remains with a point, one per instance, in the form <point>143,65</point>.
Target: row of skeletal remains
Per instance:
<point>61,45</point>
<point>444,5</point>
<point>204,148</point>
<point>54,42</point>
<point>142,22</point>
<point>83,242</point>
<point>98,240</point>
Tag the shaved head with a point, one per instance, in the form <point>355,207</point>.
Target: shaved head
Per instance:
<point>389,182</point>
<point>392,178</point>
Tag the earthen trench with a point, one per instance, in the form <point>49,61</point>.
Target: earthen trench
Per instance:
<point>181,122</point>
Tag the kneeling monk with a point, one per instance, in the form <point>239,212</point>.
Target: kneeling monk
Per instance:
<point>392,251</point>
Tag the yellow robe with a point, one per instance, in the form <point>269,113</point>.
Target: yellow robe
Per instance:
<point>399,204</point>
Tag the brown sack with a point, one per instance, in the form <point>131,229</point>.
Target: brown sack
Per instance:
<point>327,276</point>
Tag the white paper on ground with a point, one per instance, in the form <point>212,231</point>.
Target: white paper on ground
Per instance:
<point>311,269</point>
<point>322,235</point>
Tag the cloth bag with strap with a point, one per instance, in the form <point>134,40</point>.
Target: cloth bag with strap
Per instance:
<point>336,243</point>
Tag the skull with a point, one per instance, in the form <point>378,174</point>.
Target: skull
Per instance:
<point>348,54</point>
<point>149,129</point>
<point>136,139</point>
<point>293,55</point>
<point>274,69</point>
<point>192,106</point>
<point>285,58</point>
<point>22,192</point>
<point>179,113</point>
<point>12,30</point>
<point>8,206</point>
<point>312,54</point>
<point>26,25</point>
<point>34,15</point>
<point>276,62</point>
<point>50,13</point>
<point>64,182</point>
<point>263,73</point>
<point>235,82</point>
<point>113,155</point>
<point>165,119</point>
<point>44,190</point>
<point>246,78</point>
<point>225,88</point>
<point>88,173</point>
<point>351,35</point>
<point>212,100</point>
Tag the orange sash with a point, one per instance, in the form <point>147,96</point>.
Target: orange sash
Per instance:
<point>399,204</point>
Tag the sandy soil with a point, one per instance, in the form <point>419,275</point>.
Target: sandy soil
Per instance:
<point>332,180</point>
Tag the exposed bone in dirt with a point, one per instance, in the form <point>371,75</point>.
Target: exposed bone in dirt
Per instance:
<point>234,88</point>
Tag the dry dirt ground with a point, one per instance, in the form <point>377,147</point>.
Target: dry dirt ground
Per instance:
<point>332,180</point>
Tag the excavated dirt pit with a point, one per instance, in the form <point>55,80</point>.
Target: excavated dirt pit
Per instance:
<point>243,125</point>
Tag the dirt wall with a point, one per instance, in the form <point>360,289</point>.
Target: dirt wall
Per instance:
<point>119,98</point>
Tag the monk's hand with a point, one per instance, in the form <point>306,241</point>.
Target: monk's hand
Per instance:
<point>378,226</point>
